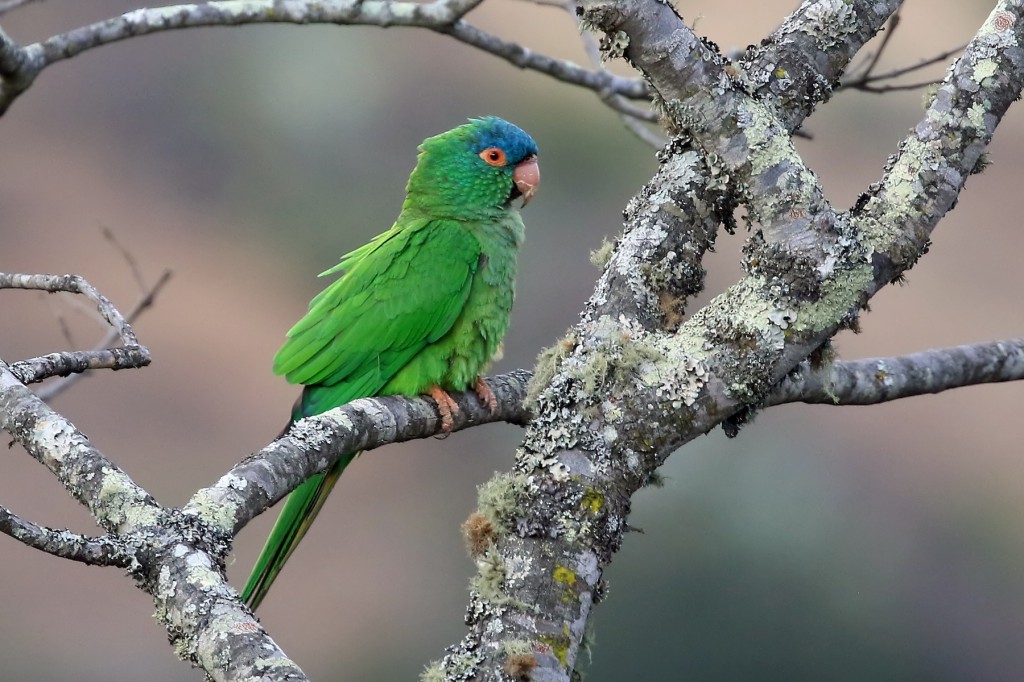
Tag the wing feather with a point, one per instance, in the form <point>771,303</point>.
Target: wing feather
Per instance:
<point>400,292</point>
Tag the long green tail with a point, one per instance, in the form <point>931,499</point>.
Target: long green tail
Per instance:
<point>300,509</point>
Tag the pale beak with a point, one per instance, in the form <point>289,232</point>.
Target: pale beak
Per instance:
<point>527,178</point>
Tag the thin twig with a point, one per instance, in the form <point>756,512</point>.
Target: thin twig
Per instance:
<point>881,89</point>
<point>51,391</point>
<point>894,22</point>
<point>865,78</point>
<point>630,113</point>
<point>108,234</point>
<point>76,285</point>
<point>72,363</point>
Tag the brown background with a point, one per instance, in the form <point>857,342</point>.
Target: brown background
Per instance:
<point>822,543</point>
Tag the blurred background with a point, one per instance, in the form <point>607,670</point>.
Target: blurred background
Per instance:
<point>879,543</point>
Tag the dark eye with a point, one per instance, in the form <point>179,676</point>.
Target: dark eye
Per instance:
<point>494,156</point>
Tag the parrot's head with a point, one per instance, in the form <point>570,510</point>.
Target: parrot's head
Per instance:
<point>477,169</point>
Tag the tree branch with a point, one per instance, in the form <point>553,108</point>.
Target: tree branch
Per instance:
<point>76,285</point>
<point>670,224</point>
<point>105,358</point>
<point>878,380</point>
<point>19,65</point>
<point>104,551</point>
<point>34,370</point>
<point>314,444</point>
<point>116,502</point>
<point>8,5</point>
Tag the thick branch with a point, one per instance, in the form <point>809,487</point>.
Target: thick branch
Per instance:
<point>799,66</point>
<point>179,560</point>
<point>624,396</point>
<point>673,220</point>
<point>117,503</point>
<point>104,551</point>
<point>314,444</point>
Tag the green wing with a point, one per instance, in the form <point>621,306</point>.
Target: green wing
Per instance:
<point>399,293</point>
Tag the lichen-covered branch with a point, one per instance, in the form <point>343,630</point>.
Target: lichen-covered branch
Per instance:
<point>800,64</point>
<point>671,223</point>
<point>620,394</point>
<point>19,65</point>
<point>314,444</point>
<point>116,502</point>
<point>878,380</point>
<point>104,551</point>
<point>177,555</point>
<point>34,370</point>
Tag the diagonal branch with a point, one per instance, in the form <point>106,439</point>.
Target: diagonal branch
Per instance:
<point>103,551</point>
<point>314,444</point>
<point>116,502</point>
<point>76,285</point>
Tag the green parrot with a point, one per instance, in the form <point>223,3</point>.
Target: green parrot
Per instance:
<point>421,309</point>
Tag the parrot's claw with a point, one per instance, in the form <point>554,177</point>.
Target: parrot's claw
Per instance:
<point>447,408</point>
<point>486,394</point>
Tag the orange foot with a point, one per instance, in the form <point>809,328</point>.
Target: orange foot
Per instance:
<point>486,394</point>
<point>446,407</point>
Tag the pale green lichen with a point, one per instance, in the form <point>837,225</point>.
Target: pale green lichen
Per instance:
<point>516,647</point>
<point>499,499</point>
<point>273,663</point>
<point>600,256</point>
<point>985,68</point>
<point>200,571</point>
<point>976,115</point>
<point>117,494</point>
<point>769,145</point>
<point>490,578</point>
<point>830,20</point>
<point>840,296</point>
<point>612,359</point>
<point>433,673</point>
<point>209,507</point>
<point>613,45</point>
<point>547,366</point>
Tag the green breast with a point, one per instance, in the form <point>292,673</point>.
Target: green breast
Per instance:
<point>464,353</point>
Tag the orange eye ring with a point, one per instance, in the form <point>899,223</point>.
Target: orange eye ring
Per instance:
<point>494,156</point>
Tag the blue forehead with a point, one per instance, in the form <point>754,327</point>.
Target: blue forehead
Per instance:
<point>491,131</point>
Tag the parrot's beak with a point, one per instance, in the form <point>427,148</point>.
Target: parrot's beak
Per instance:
<point>527,178</point>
